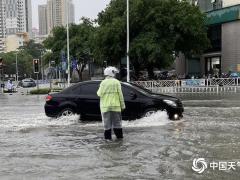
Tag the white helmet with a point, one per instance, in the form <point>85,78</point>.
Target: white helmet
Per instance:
<point>111,71</point>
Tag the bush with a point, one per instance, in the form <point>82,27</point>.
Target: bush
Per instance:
<point>40,91</point>
<point>44,90</point>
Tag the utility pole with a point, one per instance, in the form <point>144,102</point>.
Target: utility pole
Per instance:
<point>68,58</point>
<point>42,68</point>
<point>128,73</point>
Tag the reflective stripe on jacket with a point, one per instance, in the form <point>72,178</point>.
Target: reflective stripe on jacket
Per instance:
<point>111,97</point>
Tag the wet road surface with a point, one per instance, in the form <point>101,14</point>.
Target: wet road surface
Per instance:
<point>34,146</point>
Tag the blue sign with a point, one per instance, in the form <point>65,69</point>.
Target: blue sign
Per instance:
<point>193,82</point>
<point>64,61</point>
<point>74,64</point>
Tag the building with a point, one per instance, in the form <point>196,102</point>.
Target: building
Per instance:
<point>14,41</point>
<point>227,3</point>
<point>37,37</point>
<point>15,17</point>
<point>223,23</point>
<point>70,9</point>
<point>57,13</point>
<point>42,19</point>
<point>28,10</point>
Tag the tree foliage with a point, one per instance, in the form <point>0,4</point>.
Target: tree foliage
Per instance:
<point>158,29</point>
<point>24,57</point>
<point>33,49</point>
<point>24,61</point>
<point>80,40</point>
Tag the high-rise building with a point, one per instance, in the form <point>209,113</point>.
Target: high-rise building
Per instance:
<point>28,10</point>
<point>71,13</point>
<point>15,18</point>
<point>42,19</point>
<point>2,19</point>
<point>57,13</point>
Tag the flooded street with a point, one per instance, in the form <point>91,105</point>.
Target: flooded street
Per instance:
<point>33,146</point>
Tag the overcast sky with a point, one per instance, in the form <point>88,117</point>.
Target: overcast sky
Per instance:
<point>87,8</point>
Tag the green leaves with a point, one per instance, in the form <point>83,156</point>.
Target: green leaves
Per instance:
<point>24,63</point>
<point>158,29</point>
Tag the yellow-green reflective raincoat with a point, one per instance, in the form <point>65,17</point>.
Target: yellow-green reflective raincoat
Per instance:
<point>111,97</point>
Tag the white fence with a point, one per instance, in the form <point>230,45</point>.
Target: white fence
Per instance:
<point>192,85</point>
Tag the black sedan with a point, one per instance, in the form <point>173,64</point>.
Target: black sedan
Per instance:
<point>82,99</point>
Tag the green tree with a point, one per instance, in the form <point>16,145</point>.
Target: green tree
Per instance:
<point>80,40</point>
<point>24,63</point>
<point>33,49</point>
<point>56,42</point>
<point>158,29</point>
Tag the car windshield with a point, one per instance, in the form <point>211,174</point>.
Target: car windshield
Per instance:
<point>140,88</point>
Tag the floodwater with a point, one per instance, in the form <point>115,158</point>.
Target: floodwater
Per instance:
<point>33,146</point>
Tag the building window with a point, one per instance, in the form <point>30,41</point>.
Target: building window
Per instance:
<point>215,37</point>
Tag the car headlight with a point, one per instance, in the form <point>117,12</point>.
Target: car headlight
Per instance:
<point>170,103</point>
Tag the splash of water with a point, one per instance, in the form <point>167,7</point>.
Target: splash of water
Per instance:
<point>159,118</point>
<point>31,121</point>
<point>11,123</point>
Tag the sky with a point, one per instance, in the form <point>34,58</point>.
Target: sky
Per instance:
<point>87,8</point>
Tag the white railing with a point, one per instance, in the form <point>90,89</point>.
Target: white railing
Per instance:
<point>223,82</point>
<point>192,85</point>
<point>190,82</point>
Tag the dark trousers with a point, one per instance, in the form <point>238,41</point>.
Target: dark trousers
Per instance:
<point>117,131</point>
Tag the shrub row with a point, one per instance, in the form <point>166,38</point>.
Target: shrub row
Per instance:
<point>44,90</point>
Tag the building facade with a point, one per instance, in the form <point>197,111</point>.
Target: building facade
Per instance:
<point>12,42</point>
<point>57,13</point>
<point>42,19</point>
<point>15,17</point>
<point>223,22</point>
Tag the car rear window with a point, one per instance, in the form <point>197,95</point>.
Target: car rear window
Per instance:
<point>89,89</point>
<point>83,89</point>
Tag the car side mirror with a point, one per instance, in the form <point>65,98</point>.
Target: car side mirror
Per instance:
<point>133,95</point>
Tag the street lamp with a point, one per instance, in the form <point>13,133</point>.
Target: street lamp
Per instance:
<point>128,74</point>
<point>68,58</point>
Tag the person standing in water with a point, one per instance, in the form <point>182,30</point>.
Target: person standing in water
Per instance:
<point>111,103</point>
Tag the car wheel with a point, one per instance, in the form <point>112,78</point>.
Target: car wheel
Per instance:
<point>149,112</point>
<point>66,112</point>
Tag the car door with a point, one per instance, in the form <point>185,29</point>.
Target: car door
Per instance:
<point>131,98</point>
<point>89,99</point>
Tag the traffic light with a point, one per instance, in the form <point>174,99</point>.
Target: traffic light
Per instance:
<point>36,65</point>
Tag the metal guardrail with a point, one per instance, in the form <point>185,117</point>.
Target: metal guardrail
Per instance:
<point>190,82</point>
<point>207,89</point>
<point>192,85</point>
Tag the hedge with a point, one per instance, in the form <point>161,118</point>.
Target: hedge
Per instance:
<point>44,90</point>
